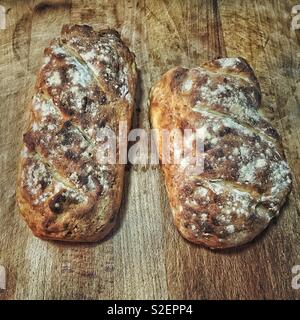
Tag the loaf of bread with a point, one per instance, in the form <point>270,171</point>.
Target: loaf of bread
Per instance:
<point>245,179</point>
<point>87,84</point>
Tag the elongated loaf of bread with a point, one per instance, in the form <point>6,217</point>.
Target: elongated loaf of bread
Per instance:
<point>245,179</point>
<point>87,84</point>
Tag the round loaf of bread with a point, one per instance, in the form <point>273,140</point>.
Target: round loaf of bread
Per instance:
<point>245,179</point>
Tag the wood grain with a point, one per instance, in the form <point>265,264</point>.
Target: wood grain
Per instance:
<point>145,258</point>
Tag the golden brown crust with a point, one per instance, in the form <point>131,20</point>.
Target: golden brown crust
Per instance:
<point>246,179</point>
<point>86,85</point>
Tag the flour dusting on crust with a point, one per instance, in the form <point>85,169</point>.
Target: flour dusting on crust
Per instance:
<point>86,83</point>
<point>246,179</point>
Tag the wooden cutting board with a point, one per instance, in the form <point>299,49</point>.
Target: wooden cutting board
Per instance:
<point>145,257</point>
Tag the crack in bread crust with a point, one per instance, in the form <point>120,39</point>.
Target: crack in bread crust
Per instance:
<point>73,52</point>
<point>64,192</point>
<point>244,124</point>
<point>246,179</point>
